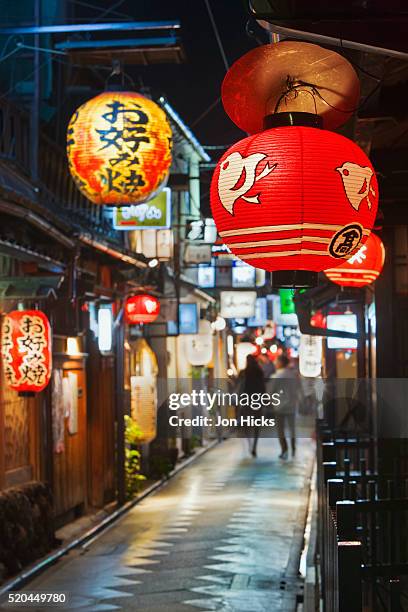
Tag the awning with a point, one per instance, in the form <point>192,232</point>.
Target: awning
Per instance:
<point>29,287</point>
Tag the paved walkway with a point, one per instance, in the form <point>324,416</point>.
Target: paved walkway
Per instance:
<point>225,534</point>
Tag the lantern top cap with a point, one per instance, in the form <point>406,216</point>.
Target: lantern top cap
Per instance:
<point>293,118</point>
<point>290,76</point>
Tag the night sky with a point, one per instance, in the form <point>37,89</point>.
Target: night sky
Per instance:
<point>192,87</point>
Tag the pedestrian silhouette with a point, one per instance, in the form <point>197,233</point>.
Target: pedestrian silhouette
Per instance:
<point>252,381</point>
<point>288,387</point>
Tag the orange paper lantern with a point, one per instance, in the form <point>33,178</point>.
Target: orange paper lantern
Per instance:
<point>362,268</point>
<point>26,350</point>
<point>141,309</point>
<point>119,148</point>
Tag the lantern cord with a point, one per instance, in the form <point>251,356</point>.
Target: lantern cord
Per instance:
<point>117,70</point>
<point>295,87</point>
<point>292,88</point>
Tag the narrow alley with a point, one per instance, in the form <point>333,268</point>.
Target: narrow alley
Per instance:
<point>225,534</point>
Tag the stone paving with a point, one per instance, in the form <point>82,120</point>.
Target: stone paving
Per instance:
<point>224,535</point>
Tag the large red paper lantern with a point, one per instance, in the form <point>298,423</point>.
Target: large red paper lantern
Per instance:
<point>26,350</point>
<point>141,309</point>
<point>362,268</point>
<point>294,198</point>
<point>119,148</point>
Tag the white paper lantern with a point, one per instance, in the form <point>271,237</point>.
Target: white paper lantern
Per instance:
<point>199,347</point>
<point>310,355</point>
<point>243,350</point>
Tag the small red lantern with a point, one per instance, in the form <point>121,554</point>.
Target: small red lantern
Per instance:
<point>318,319</point>
<point>141,309</point>
<point>26,350</point>
<point>362,268</point>
<point>294,198</point>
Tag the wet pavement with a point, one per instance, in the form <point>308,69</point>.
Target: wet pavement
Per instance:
<point>225,534</point>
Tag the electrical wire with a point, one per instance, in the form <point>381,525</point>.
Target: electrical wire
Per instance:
<point>109,10</point>
<point>2,59</point>
<point>217,35</point>
<point>21,45</point>
<point>208,110</point>
<point>97,8</point>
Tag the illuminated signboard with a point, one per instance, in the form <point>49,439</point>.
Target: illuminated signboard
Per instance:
<point>206,277</point>
<point>237,304</point>
<point>154,214</point>
<point>342,322</point>
<point>188,320</point>
<point>287,305</point>
<point>259,320</point>
<point>243,275</point>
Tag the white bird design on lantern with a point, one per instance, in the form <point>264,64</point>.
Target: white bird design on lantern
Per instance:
<point>357,183</point>
<point>237,176</point>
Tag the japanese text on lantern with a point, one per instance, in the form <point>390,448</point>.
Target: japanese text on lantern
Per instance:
<point>31,344</point>
<point>119,148</point>
<point>125,130</point>
<point>6,346</point>
<point>26,350</point>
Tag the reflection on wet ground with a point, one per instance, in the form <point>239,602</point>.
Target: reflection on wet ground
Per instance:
<point>225,534</point>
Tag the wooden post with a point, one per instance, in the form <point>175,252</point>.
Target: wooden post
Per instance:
<point>2,440</point>
<point>120,412</point>
<point>349,577</point>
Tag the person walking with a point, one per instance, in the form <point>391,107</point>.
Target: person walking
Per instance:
<point>252,381</point>
<point>287,385</point>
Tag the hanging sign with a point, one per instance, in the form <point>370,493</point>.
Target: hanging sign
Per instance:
<point>206,277</point>
<point>199,347</point>
<point>164,244</point>
<point>243,275</point>
<point>201,229</point>
<point>237,304</point>
<point>197,253</point>
<point>154,214</point>
<point>143,386</point>
<point>310,355</point>
<point>26,350</point>
<point>259,319</point>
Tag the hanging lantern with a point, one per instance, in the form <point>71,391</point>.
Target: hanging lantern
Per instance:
<point>362,268</point>
<point>119,148</point>
<point>26,350</point>
<point>310,355</point>
<point>141,309</point>
<point>318,319</point>
<point>199,347</point>
<point>294,198</point>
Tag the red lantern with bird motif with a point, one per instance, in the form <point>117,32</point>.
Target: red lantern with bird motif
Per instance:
<point>294,198</point>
